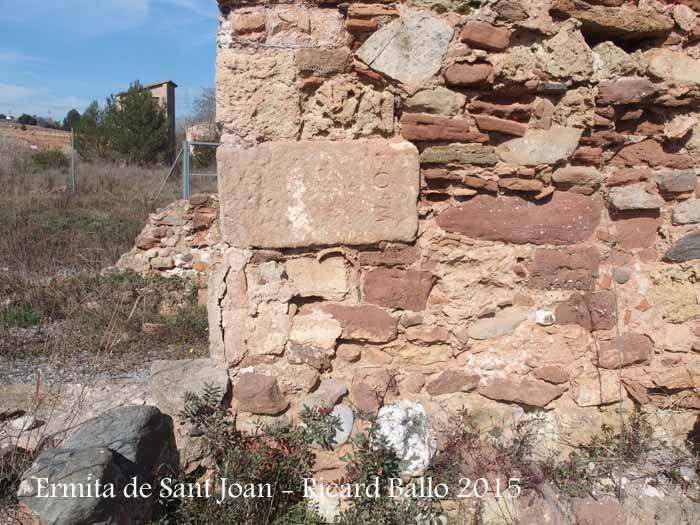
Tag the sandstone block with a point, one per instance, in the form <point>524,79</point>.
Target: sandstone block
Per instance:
<point>451,381</point>
<point>311,193</point>
<point>625,350</point>
<point>315,357</point>
<point>322,61</point>
<point>577,177</point>
<point>673,65</point>
<point>341,109</point>
<point>525,185</point>
<point>636,229</point>
<point>483,35</point>
<point>593,310</point>
<point>526,391</point>
<point>567,218</point>
<point>677,181</point>
<point>552,374</point>
<point>441,101</point>
<point>611,23</point>
<point>540,146</point>
<point>313,278</point>
<point>651,153</point>
<point>301,27</point>
<point>573,268</point>
<point>390,255</point>
<point>510,10</point>
<point>462,154</point>
<point>633,198</point>
<point>469,74</point>
<point>259,394</point>
<point>317,329</point>
<point>499,125</point>
<point>403,289</point>
<point>687,212</point>
<point>248,22</point>
<point>427,335</point>
<point>366,398</point>
<point>601,387</point>
<point>630,90</point>
<point>421,126</point>
<point>364,323</point>
<point>256,95</point>
<point>409,49</point>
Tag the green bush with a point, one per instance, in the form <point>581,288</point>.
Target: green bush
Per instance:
<point>276,456</point>
<point>19,315</point>
<point>51,159</point>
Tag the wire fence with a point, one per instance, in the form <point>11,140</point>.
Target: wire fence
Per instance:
<point>185,159</point>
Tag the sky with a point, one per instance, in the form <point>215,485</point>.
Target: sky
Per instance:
<point>59,55</point>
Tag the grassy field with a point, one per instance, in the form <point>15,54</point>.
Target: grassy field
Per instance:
<point>55,301</point>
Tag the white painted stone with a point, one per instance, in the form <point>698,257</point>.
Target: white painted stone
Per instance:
<point>405,426</point>
<point>544,317</point>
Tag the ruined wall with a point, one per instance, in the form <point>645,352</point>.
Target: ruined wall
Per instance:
<point>480,204</point>
<point>178,240</point>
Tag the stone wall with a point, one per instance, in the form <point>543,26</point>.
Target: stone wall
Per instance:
<point>482,204</point>
<point>178,240</point>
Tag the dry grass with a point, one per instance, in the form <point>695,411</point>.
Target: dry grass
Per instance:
<point>53,297</point>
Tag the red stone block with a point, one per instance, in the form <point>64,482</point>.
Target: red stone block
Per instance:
<point>566,218</point>
<point>421,126</point>
<point>483,35</point>
<point>403,289</point>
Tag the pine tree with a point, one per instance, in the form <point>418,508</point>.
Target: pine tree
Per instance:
<point>137,126</point>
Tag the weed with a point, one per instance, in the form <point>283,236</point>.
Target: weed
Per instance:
<point>19,315</point>
<point>276,458</point>
<point>52,159</point>
<point>605,452</point>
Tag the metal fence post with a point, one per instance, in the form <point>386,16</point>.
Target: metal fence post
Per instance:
<point>186,171</point>
<point>72,161</point>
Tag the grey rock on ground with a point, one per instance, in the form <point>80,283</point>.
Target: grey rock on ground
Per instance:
<point>113,448</point>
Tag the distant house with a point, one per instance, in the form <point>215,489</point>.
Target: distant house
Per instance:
<point>165,93</point>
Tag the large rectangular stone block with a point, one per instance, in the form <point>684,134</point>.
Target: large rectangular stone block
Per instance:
<point>318,193</point>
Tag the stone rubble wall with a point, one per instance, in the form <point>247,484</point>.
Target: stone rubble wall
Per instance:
<point>481,204</point>
<point>178,240</point>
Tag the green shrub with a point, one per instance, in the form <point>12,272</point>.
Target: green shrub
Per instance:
<point>19,315</point>
<point>13,463</point>
<point>276,456</point>
<point>51,159</point>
